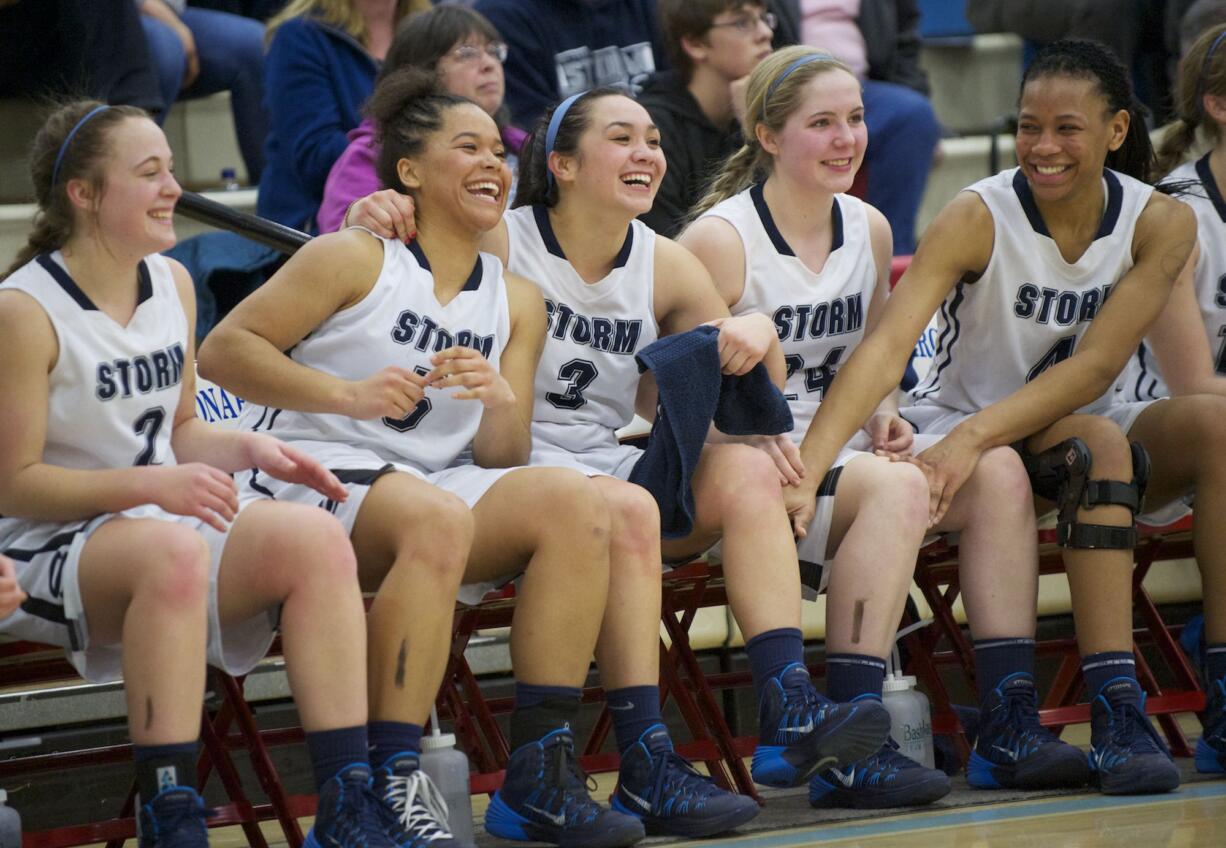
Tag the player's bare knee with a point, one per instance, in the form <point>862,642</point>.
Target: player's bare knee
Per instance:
<point>634,520</point>
<point>746,479</point>
<point>438,537</point>
<point>1000,478</point>
<point>575,511</point>
<point>906,487</point>
<point>177,575</point>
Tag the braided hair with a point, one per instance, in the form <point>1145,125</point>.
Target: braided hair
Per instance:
<point>1093,61</point>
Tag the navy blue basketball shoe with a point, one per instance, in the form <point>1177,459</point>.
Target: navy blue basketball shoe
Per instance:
<point>887,778</point>
<point>416,811</point>
<point>801,732</point>
<point>1211,747</point>
<point>349,815</point>
<point>1127,757</point>
<point>544,798</point>
<point>1014,751</point>
<point>669,796</point>
<point>174,817</point>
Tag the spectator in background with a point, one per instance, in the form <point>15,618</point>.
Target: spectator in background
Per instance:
<point>557,48</point>
<point>1191,19</point>
<point>1140,32</point>
<point>197,52</point>
<point>879,40</point>
<point>80,48</point>
<point>466,53</point>
<point>712,44</point>
<point>320,68</point>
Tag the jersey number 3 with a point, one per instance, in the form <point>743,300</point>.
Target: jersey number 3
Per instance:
<point>149,424</point>
<point>578,374</point>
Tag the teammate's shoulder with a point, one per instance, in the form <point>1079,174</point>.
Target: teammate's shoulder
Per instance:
<point>672,256</point>
<point>23,319</point>
<point>524,297</point>
<point>1167,213</point>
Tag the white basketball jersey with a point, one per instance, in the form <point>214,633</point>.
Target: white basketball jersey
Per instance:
<point>819,317</point>
<point>114,389</point>
<point>587,372</point>
<point>400,322</point>
<point>1142,380</point>
<point>1030,307</point>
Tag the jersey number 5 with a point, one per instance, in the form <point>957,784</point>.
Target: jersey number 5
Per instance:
<point>416,414</point>
<point>578,374</point>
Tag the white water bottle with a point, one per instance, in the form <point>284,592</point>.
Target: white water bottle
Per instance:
<point>448,767</point>
<point>910,718</point>
<point>10,824</point>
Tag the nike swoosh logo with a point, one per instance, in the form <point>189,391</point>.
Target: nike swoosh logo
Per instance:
<point>848,779</point>
<point>636,799</point>
<point>807,727</point>
<point>1008,753</point>
<point>556,818</point>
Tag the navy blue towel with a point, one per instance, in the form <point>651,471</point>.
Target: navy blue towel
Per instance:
<point>692,393</point>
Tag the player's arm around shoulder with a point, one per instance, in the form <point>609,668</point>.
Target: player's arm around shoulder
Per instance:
<point>1162,243</point>
<point>504,438</point>
<point>246,351</point>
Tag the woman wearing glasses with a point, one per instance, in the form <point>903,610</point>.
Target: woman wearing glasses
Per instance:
<point>713,45</point>
<point>879,40</point>
<point>466,53</point>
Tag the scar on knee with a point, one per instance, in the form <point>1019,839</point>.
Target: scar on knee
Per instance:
<point>148,713</point>
<point>857,621</point>
<point>400,661</point>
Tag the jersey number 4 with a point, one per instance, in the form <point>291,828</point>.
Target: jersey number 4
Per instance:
<point>416,414</point>
<point>577,374</point>
<point>817,380</point>
<point>1058,352</point>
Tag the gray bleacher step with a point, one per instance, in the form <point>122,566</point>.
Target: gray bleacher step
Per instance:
<point>974,81</point>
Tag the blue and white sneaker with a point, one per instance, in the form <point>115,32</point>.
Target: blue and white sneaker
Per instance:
<point>349,815</point>
<point>544,798</point>
<point>417,815</point>
<point>670,796</point>
<point>1211,747</point>
<point>1127,757</point>
<point>1014,751</point>
<point>801,732</point>
<point>888,778</point>
<point>175,817</point>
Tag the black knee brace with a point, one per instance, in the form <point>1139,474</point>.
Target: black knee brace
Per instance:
<point>1062,474</point>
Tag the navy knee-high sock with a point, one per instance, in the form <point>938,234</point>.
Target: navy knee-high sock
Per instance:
<point>634,709</point>
<point>771,652</point>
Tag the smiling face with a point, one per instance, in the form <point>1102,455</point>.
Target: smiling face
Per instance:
<point>471,69</point>
<point>619,162</point>
<point>1065,131</point>
<point>822,143</point>
<point>462,171</point>
<point>133,210</point>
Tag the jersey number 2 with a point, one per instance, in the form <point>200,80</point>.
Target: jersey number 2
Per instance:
<point>149,424</point>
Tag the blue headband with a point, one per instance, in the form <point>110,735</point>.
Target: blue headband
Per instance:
<point>1204,72</point>
<point>59,157</point>
<point>551,134</point>
<point>801,62</point>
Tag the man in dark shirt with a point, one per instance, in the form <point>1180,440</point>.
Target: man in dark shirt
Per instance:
<point>713,45</point>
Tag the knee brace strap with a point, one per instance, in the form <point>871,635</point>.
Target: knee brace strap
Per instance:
<point>1061,474</point>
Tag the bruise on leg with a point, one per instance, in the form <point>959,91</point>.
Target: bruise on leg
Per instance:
<point>148,713</point>
<point>857,621</point>
<point>400,661</point>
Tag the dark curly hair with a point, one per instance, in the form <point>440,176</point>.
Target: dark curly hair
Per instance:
<point>1091,60</point>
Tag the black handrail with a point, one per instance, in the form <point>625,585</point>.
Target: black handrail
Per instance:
<point>260,230</point>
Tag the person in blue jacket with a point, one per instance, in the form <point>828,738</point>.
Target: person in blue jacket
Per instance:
<point>320,68</point>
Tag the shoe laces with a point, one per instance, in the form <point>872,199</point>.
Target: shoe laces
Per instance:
<point>1132,730</point>
<point>420,809</point>
<point>184,822</point>
<point>675,780</point>
<point>1021,719</point>
<point>358,814</point>
<point>571,785</point>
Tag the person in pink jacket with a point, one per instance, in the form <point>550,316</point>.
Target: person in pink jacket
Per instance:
<point>466,52</point>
